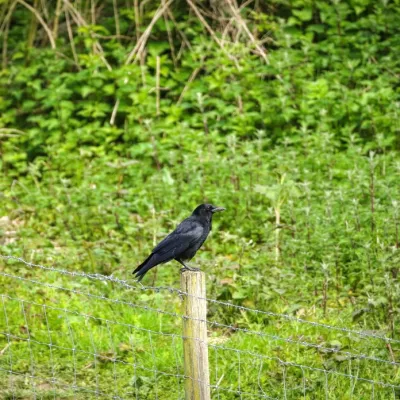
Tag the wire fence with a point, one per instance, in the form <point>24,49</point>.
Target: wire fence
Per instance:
<point>71,334</point>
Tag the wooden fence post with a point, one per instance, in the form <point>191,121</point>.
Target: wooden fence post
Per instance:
<point>197,385</point>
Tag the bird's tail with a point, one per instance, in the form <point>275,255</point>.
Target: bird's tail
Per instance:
<point>141,270</point>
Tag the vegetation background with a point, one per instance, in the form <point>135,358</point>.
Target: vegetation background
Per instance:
<point>118,117</point>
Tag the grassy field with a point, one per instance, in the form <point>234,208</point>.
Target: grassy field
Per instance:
<point>333,261</point>
<point>106,145</point>
<point>71,345</point>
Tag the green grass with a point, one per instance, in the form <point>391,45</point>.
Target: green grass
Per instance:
<point>333,267</point>
<point>126,351</point>
<point>302,150</point>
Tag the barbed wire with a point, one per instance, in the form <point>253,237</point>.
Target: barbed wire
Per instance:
<point>77,352</point>
<point>59,383</point>
<point>172,335</point>
<point>50,345</point>
<point>127,285</point>
<point>114,359</point>
<point>320,347</point>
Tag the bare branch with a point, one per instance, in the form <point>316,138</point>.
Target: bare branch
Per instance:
<point>212,33</point>
<point>247,30</point>
<point>40,19</point>
<point>140,44</point>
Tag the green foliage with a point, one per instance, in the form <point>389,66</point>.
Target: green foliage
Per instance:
<point>100,158</point>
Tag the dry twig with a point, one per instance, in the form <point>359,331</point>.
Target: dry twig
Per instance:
<point>212,33</point>
<point>140,44</point>
<point>80,21</point>
<point>242,23</point>
<point>40,19</point>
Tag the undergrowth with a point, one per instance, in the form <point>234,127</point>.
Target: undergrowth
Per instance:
<point>105,147</point>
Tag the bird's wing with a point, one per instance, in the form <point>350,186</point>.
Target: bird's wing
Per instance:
<point>186,233</point>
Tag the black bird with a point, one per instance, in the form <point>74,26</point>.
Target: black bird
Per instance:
<point>182,244</point>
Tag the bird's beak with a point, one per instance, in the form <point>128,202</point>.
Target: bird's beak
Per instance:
<point>216,209</point>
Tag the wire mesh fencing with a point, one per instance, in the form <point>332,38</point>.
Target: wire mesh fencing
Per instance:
<point>70,334</point>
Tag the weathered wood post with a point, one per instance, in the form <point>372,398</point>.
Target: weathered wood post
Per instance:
<point>197,385</point>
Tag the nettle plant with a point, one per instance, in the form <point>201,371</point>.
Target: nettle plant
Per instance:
<point>117,119</point>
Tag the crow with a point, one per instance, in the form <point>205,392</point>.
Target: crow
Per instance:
<point>182,244</point>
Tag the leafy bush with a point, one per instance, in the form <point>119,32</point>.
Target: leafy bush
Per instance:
<point>287,116</point>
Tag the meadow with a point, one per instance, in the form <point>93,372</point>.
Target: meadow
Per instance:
<point>110,136</point>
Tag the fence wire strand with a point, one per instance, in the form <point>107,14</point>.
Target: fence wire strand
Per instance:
<point>212,323</point>
<point>139,286</point>
<point>139,346</point>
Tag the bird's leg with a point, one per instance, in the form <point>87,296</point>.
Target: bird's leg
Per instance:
<point>186,267</point>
